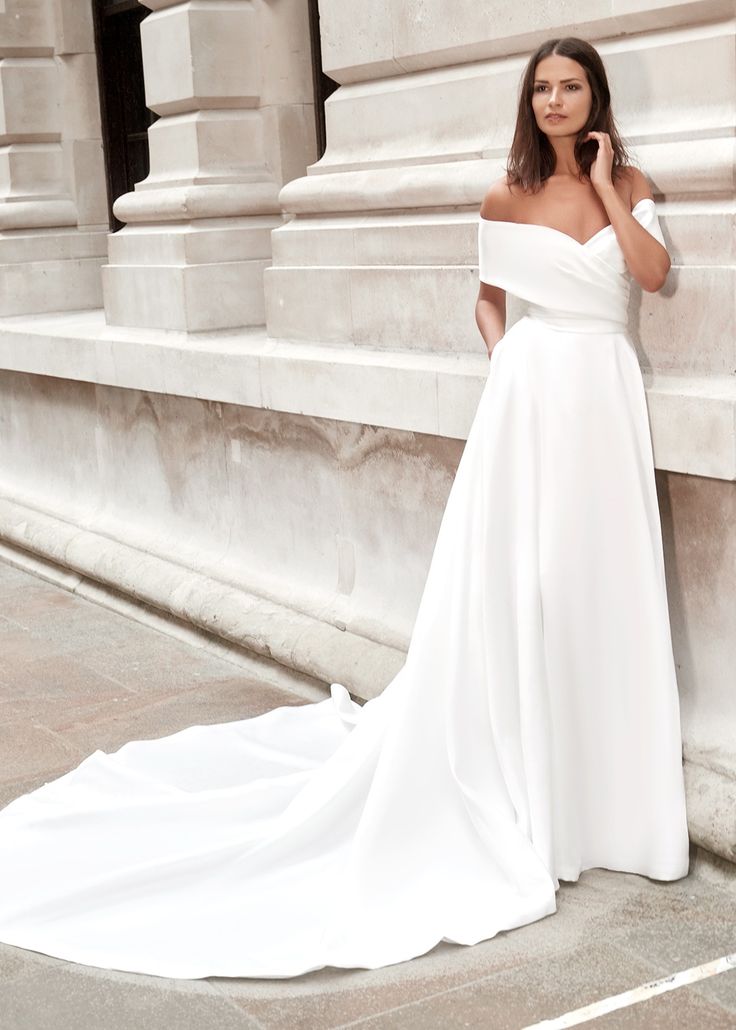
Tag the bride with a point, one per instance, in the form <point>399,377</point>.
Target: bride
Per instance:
<point>534,729</point>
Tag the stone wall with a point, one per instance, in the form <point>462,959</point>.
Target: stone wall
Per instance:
<point>53,210</point>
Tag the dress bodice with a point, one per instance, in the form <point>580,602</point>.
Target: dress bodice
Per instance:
<point>561,279</point>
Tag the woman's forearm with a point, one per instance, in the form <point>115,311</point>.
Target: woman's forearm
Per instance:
<point>491,322</point>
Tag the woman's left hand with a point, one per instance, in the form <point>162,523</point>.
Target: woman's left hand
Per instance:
<point>600,170</point>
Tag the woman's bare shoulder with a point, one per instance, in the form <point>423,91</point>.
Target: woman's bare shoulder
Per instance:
<point>499,200</point>
<point>636,185</point>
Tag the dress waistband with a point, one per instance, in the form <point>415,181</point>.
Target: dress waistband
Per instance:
<point>572,323</point>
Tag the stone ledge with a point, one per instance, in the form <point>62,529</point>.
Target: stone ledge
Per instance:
<point>693,418</point>
<point>396,181</point>
<point>274,631</point>
<point>710,779</point>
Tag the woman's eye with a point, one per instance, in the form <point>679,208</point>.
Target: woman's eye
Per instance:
<point>570,85</point>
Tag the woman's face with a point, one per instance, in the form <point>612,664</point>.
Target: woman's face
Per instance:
<point>561,89</point>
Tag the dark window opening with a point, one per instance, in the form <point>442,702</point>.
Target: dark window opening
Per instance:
<point>125,117</point>
<point>323,84</point>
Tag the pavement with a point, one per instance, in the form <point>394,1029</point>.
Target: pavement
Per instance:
<point>76,675</point>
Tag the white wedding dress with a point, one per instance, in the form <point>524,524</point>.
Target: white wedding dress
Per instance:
<point>534,731</point>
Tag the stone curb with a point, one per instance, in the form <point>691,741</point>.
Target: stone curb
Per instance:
<point>272,630</point>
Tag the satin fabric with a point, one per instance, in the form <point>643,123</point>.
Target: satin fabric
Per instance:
<point>532,733</point>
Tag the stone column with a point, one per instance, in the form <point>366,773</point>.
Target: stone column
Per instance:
<point>52,231</point>
<point>198,232</point>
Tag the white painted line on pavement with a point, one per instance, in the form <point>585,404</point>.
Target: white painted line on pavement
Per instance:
<point>637,994</point>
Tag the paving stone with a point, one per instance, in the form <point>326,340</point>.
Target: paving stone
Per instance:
<point>679,1008</point>
<point>541,989</point>
<point>680,941</point>
<point>13,964</point>
<point>63,998</point>
<point>38,606</point>
<point>49,691</point>
<point>140,718</point>
<point>678,897</point>
<point>10,575</point>
<point>150,662</point>
<point>35,602</point>
<point>720,989</point>
<point>18,645</point>
<point>29,750</point>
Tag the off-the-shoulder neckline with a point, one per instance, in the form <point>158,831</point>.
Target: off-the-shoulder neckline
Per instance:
<point>559,232</point>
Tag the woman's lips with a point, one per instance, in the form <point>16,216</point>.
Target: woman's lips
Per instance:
<point>556,117</point>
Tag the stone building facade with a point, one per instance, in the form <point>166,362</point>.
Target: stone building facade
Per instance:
<point>244,408</point>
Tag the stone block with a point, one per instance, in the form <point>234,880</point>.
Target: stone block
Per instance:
<point>290,139</point>
<point>29,99</point>
<point>434,115</point>
<point>50,286</point>
<point>191,298</point>
<point>80,96</point>
<point>31,171</point>
<point>687,327</point>
<point>357,40</point>
<point>285,37</point>
<point>677,84</point>
<point>26,25</point>
<point>418,308</point>
<point>205,147</point>
<point>85,163</point>
<point>197,54</point>
<point>18,247</point>
<point>309,303</point>
<point>193,243</point>
<point>74,27</point>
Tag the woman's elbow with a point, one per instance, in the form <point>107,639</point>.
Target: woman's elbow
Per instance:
<point>655,280</point>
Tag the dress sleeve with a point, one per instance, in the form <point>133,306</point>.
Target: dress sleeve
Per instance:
<point>646,213</point>
<point>488,265</point>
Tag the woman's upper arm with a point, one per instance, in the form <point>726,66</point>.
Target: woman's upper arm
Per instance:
<point>640,188</point>
<point>495,294</point>
<point>496,202</point>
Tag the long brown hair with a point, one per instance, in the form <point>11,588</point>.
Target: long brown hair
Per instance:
<point>531,158</point>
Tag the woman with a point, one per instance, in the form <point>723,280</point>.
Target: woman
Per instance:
<point>533,731</point>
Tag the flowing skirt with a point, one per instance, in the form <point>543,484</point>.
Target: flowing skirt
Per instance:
<point>533,732</point>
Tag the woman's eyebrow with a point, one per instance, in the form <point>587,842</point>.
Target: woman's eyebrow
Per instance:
<point>546,81</point>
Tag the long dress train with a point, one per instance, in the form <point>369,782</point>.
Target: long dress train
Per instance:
<point>533,732</point>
